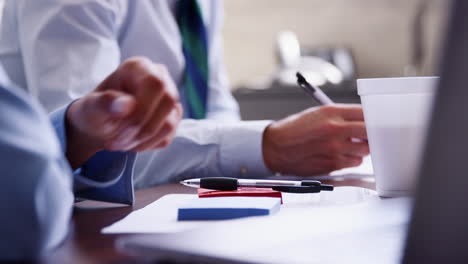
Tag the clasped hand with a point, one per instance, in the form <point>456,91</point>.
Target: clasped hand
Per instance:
<point>135,109</point>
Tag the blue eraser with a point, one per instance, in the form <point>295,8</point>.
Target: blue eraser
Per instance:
<point>221,208</point>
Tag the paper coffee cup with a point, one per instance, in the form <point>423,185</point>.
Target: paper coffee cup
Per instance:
<point>396,112</point>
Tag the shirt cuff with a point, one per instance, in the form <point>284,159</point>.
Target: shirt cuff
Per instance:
<point>57,118</point>
<point>107,176</point>
<point>241,154</point>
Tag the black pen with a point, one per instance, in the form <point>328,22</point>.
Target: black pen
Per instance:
<point>231,184</point>
<point>313,91</point>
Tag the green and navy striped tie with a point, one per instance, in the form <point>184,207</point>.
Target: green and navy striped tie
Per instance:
<point>195,50</point>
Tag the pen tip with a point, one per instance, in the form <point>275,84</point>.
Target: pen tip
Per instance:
<point>300,78</point>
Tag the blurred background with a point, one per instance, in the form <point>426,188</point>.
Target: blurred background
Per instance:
<point>359,38</point>
<point>331,42</point>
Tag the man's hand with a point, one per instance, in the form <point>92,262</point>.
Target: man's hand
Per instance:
<point>135,109</point>
<point>316,141</point>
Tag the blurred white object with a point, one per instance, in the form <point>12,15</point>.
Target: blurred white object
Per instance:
<point>316,70</point>
<point>288,49</point>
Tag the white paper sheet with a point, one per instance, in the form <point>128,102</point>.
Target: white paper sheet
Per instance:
<point>157,217</point>
<point>369,232</point>
<point>161,215</point>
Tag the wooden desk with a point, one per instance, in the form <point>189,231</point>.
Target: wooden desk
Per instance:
<point>86,244</point>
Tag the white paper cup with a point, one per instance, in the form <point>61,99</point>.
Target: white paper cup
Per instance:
<point>396,112</point>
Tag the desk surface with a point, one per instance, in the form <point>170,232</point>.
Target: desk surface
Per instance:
<point>85,243</point>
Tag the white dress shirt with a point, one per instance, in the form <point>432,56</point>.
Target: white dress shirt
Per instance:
<point>62,49</point>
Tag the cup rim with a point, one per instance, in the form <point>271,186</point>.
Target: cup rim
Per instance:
<point>367,86</point>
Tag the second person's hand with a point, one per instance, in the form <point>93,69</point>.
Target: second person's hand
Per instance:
<point>135,109</point>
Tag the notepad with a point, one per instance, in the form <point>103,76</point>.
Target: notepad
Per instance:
<point>221,208</point>
<point>240,192</point>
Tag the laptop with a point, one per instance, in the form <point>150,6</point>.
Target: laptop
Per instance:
<point>438,216</point>
<point>438,232</point>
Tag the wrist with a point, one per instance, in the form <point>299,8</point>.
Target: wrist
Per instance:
<point>80,146</point>
<point>270,149</point>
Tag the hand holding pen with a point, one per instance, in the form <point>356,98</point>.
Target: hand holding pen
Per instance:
<point>313,91</point>
<point>317,140</point>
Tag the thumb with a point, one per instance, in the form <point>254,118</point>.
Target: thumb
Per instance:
<point>114,104</point>
<point>122,106</point>
<point>112,107</point>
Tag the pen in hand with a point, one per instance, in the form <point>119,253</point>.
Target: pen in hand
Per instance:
<point>318,95</point>
<point>313,91</point>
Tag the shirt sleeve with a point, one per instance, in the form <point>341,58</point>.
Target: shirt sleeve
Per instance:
<point>107,176</point>
<point>206,148</point>
<point>35,184</point>
<point>68,46</point>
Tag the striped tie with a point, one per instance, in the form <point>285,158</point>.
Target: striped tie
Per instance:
<point>194,47</point>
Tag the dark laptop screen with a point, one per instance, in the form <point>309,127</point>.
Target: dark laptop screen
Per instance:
<point>438,232</point>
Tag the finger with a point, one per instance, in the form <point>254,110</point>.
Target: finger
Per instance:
<point>150,83</point>
<point>112,82</point>
<point>351,112</point>
<point>176,117</point>
<point>126,135</point>
<point>162,144</point>
<point>122,106</point>
<point>350,161</point>
<point>129,136</point>
<point>156,131</point>
<point>146,122</point>
<point>165,135</point>
<point>165,118</point>
<point>356,149</point>
<point>352,129</point>
<point>162,139</point>
<point>142,66</point>
<point>118,110</point>
<point>165,142</point>
<point>318,164</point>
<point>161,71</point>
<point>340,162</point>
<point>337,148</point>
<point>332,148</point>
<point>149,95</point>
<point>107,109</point>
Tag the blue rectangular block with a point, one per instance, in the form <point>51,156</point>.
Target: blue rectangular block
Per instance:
<point>221,208</point>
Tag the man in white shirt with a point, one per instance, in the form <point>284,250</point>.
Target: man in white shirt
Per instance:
<point>61,49</point>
